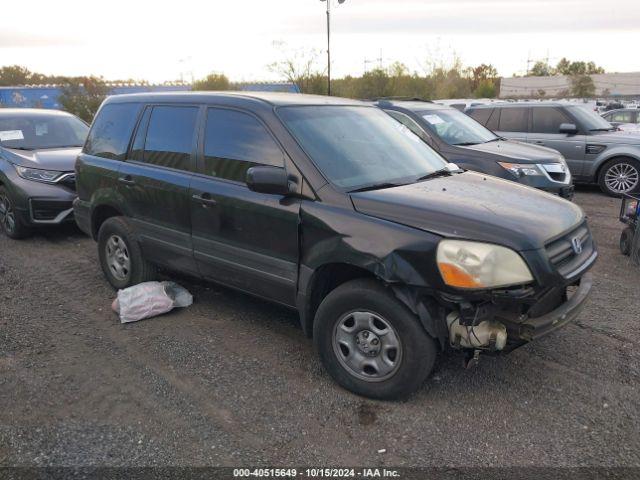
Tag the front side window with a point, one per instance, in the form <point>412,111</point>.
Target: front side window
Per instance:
<point>548,120</point>
<point>170,134</point>
<point>589,120</point>
<point>111,130</point>
<point>456,128</point>
<point>513,119</point>
<point>359,147</point>
<point>236,141</point>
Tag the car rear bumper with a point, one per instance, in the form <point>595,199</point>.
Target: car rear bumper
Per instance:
<point>82,215</point>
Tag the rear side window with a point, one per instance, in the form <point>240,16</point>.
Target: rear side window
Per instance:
<point>170,136</point>
<point>111,130</point>
<point>481,115</point>
<point>234,142</point>
<point>513,119</point>
<point>547,120</point>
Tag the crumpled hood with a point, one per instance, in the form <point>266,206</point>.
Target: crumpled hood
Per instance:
<point>61,159</point>
<point>517,151</point>
<point>475,207</point>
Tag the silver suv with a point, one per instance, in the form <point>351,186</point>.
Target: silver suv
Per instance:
<point>594,150</point>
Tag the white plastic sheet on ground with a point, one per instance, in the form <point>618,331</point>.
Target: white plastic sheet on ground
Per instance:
<point>150,299</point>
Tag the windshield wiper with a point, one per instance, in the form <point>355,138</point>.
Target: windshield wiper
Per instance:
<point>437,173</point>
<point>497,139</point>
<point>464,144</point>
<point>376,186</point>
<point>612,129</point>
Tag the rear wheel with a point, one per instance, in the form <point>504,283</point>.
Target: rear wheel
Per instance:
<point>370,343</point>
<point>120,255</point>
<point>9,221</point>
<point>620,176</point>
<point>626,241</point>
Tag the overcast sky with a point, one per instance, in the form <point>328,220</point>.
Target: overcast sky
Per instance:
<point>158,41</point>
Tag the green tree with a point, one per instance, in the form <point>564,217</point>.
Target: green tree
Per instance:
<point>15,75</point>
<point>301,67</point>
<point>582,86</point>
<point>82,96</point>
<point>569,68</point>
<point>485,89</point>
<point>213,81</point>
<point>541,69</point>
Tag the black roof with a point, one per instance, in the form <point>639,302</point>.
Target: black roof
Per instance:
<point>267,98</point>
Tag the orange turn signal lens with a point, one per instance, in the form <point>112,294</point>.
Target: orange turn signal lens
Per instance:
<point>456,277</point>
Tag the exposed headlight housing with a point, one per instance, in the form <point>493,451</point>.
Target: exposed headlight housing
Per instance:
<point>475,265</point>
<point>37,175</point>
<point>521,169</point>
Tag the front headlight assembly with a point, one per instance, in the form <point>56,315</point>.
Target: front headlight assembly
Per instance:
<point>475,265</point>
<point>521,169</point>
<point>37,175</point>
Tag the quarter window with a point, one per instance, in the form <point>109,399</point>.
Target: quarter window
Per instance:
<point>169,140</point>
<point>548,120</point>
<point>234,142</point>
<point>111,130</point>
<point>513,119</point>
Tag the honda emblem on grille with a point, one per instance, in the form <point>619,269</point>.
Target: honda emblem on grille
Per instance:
<point>576,244</point>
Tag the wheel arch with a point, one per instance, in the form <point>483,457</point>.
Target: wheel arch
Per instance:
<point>100,214</point>
<point>614,156</point>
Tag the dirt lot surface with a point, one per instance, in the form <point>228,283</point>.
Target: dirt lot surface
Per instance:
<point>233,381</point>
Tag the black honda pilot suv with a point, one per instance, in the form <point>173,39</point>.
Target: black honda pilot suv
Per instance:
<point>324,205</point>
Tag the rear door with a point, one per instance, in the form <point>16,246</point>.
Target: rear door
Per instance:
<point>242,238</point>
<point>545,131</point>
<point>155,181</point>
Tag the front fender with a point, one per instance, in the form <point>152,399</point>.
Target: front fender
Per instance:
<point>615,151</point>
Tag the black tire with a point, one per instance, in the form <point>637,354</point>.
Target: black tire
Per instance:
<point>418,349</point>
<point>139,270</point>
<point>622,165</point>
<point>626,241</point>
<point>10,223</point>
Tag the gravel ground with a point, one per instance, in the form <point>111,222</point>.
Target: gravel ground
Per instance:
<point>233,381</point>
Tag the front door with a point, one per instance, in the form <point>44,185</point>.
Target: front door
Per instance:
<point>545,131</point>
<point>242,238</point>
<point>155,181</point>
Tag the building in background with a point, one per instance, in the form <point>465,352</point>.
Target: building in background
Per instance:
<point>625,85</point>
<point>47,96</point>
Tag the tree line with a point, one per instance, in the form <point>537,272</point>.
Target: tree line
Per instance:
<point>82,95</point>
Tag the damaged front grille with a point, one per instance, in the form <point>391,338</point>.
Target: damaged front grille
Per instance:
<point>569,253</point>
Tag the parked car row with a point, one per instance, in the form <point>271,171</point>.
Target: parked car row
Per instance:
<point>593,149</point>
<point>388,251</point>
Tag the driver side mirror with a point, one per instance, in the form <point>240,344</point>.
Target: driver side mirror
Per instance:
<point>568,128</point>
<point>272,180</point>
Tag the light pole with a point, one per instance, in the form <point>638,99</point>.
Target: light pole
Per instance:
<point>329,43</point>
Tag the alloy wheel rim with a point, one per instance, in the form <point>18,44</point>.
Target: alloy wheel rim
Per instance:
<point>7,215</point>
<point>118,259</point>
<point>367,346</point>
<point>622,178</point>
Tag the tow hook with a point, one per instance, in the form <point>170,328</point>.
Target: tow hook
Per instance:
<point>471,358</point>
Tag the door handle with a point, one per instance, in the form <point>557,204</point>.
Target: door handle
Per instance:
<point>127,180</point>
<point>205,199</point>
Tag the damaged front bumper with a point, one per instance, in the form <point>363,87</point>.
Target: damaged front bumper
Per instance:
<point>533,328</point>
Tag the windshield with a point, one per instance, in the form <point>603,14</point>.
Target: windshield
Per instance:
<point>456,128</point>
<point>357,147</point>
<point>32,132</point>
<point>589,119</point>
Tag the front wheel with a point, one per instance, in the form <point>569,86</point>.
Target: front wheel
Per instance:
<point>620,176</point>
<point>9,222</point>
<point>370,343</point>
